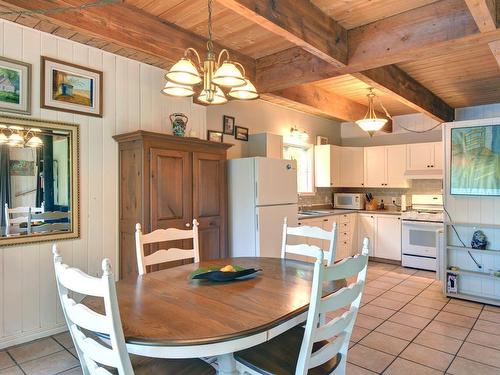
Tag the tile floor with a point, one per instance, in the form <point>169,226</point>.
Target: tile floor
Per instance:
<point>405,327</point>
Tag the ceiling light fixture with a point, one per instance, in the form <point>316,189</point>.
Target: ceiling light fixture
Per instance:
<point>20,137</point>
<point>371,123</point>
<point>215,74</point>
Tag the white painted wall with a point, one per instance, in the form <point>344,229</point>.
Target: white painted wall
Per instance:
<point>132,100</point>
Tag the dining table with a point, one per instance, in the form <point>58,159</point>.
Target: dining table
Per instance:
<point>166,314</point>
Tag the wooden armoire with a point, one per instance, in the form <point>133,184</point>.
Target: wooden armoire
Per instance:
<point>166,182</point>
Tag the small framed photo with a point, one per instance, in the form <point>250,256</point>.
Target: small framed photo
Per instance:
<point>241,133</point>
<point>70,88</point>
<point>15,86</point>
<point>228,125</point>
<point>215,136</point>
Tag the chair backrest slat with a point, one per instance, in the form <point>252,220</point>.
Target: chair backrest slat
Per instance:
<point>308,231</point>
<point>334,326</point>
<point>327,352</point>
<point>82,321</point>
<point>341,298</point>
<point>346,267</point>
<point>165,255</point>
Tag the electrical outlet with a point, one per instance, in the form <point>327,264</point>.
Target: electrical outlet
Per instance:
<point>394,200</point>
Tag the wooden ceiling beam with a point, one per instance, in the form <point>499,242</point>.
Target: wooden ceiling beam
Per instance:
<point>128,27</point>
<point>484,14</point>
<point>299,22</point>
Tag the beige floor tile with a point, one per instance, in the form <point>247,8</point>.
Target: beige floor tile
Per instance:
<point>34,349</point>
<point>358,333</point>
<point>409,320</point>
<point>11,371</point>
<point>387,344</point>
<point>434,294</point>
<point>5,360</point>
<point>387,303</point>
<point>492,308</point>
<point>428,302</point>
<point>368,358</point>
<point>356,370</point>
<point>406,290</point>
<point>64,339</point>
<point>480,353</point>
<point>397,296</point>
<point>414,284</point>
<point>486,326</point>
<point>379,284</point>
<point>51,364</point>
<point>366,298</point>
<point>397,275</point>
<point>404,271</point>
<point>490,316</point>
<point>485,339</point>
<point>368,322</point>
<point>424,312</point>
<point>427,356</point>
<point>429,275</point>
<point>389,280</point>
<point>403,367</point>
<point>439,342</point>
<point>376,311</point>
<point>73,351</point>
<point>461,302</point>
<point>373,291</point>
<point>462,310</point>
<point>446,329</point>
<point>462,366</point>
<point>73,371</point>
<point>458,320</point>
<point>398,330</point>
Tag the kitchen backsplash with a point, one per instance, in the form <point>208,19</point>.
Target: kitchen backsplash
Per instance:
<point>324,195</point>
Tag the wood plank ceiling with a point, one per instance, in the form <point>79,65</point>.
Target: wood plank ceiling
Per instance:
<point>420,55</point>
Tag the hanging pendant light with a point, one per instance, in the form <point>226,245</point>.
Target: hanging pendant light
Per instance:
<point>34,141</point>
<point>371,123</point>
<point>217,72</point>
<point>3,137</point>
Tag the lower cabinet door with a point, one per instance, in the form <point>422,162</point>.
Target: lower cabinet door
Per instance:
<point>388,237</point>
<point>366,229</point>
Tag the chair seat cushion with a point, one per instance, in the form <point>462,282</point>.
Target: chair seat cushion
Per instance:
<point>280,354</point>
<point>149,366</point>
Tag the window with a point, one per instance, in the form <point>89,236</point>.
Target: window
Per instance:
<point>304,156</point>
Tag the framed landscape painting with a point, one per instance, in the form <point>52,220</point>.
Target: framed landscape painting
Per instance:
<point>71,88</point>
<point>15,86</point>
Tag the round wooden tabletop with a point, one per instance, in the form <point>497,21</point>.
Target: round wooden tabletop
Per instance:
<point>166,308</point>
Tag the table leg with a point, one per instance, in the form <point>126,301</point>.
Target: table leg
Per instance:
<point>227,364</point>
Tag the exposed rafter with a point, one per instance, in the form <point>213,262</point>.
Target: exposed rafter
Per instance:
<point>484,14</point>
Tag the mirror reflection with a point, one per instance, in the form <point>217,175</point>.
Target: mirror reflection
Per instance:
<point>35,181</point>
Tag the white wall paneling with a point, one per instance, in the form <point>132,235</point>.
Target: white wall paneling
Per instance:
<point>132,100</point>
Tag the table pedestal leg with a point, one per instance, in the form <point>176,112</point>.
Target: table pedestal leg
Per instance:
<point>227,364</point>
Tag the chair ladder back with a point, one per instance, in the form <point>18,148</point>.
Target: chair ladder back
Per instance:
<point>338,331</point>
<point>165,255</point>
<point>80,319</point>
<point>18,211</point>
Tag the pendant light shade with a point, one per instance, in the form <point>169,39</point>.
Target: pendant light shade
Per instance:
<point>184,72</point>
<point>371,123</point>
<point>246,92</point>
<point>3,138</point>
<point>34,142</point>
<point>15,140</point>
<point>175,89</point>
<point>228,75</point>
<point>217,98</point>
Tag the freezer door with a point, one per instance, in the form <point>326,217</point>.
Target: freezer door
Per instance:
<point>276,181</point>
<point>270,228</point>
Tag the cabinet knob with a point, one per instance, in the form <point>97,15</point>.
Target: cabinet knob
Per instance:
<point>432,166</point>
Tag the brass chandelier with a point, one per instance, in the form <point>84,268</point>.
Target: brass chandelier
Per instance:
<point>17,136</point>
<point>371,123</point>
<point>215,75</point>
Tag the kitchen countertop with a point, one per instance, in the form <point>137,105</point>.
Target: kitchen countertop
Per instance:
<point>331,212</point>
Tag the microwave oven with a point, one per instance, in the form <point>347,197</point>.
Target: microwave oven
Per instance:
<point>349,201</point>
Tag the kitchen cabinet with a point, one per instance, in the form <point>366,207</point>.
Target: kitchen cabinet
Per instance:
<point>366,228</point>
<point>388,237</point>
<point>352,166</point>
<point>385,166</point>
<point>424,160</point>
<point>327,165</point>
<point>266,145</point>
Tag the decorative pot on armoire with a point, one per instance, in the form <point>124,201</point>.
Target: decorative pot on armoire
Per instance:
<point>166,182</point>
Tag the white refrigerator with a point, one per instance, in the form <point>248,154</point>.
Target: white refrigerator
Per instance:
<point>262,192</point>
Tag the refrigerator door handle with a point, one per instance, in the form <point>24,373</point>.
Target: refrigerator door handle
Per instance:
<point>257,222</point>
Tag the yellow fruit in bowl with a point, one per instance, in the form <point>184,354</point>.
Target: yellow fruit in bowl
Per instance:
<point>228,268</point>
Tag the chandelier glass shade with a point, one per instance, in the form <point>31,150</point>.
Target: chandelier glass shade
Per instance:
<point>214,73</point>
<point>20,137</point>
<point>371,123</point>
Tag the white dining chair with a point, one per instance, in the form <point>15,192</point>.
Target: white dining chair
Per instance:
<point>318,348</point>
<point>165,255</point>
<point>51,221</point>
<point>85,325</point>
<point>17,215</point>
<point>309,232</point>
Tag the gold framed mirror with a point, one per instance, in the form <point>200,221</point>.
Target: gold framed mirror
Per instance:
<point>39,180</point>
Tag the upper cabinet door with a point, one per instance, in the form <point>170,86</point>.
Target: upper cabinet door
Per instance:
<point>209,203</point>
<point>438,156</point>
<point>352,167</point>
<point>396,166</point>
<point>420,156</point>
<point>375,166</point>
<point>327,165</point>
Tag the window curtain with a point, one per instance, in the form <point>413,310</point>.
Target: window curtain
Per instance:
<point>4,181</point>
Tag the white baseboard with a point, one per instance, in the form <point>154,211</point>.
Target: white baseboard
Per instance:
<point>23,337</point>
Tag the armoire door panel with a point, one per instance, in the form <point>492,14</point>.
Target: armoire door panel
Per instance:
<point>210,237</point>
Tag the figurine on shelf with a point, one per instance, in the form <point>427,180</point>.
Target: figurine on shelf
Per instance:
<point>479,240</point>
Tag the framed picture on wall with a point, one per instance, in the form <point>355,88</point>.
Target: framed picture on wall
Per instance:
<point>70,88</point>
<point>241,133</point>
<point>215,136</point>
<point>15,86</point>
<point>228,125</point>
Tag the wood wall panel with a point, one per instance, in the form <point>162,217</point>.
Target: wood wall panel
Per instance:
<point>132,100</point>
